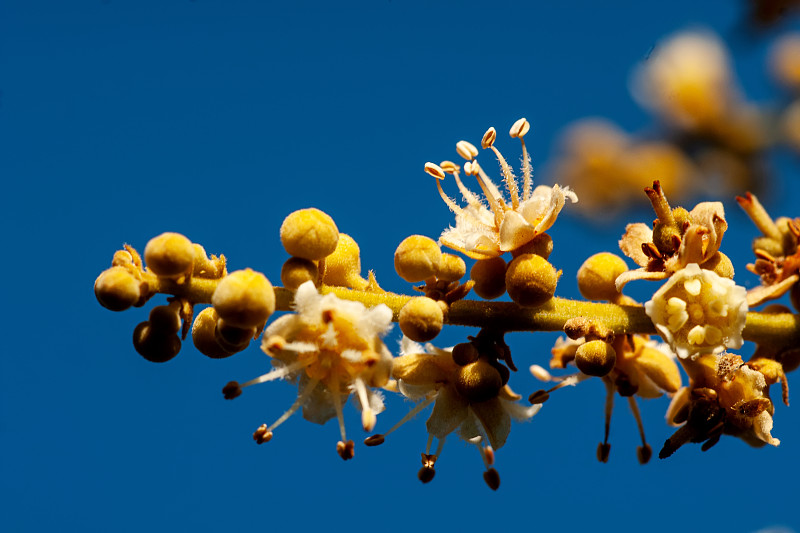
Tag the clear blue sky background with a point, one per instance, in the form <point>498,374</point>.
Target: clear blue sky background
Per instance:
<point>121,120</point>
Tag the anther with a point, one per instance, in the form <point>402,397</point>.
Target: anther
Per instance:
<point>520,128</point>
<point>492,478</point>
<point>489,138</point>
<point>643,453</point>
<point>434,170</point>
<point>232,390</point>
<point>449,167</point>
<point>538,397</point>
<point>466,150</point>
<point>262,434</point>
<point>603,451</point>
<point>374,440</point>
<point>346,450</point>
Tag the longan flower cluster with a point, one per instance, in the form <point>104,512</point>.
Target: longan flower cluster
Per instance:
<point>330,341</point>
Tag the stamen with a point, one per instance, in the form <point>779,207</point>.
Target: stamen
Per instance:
<point>466,150</point>
<point>368,418</point>
<point>455,208</point>
<point>519,130</point>
<point>275,373</point>
<point>301,399</point>
<point>759,216</point>
<point>643,452</point>
<point>337,404</point>
<point>496,202</point>
<point>470,197</point>
<point>508,175</point>
<point>411,414</point>
<point>604,448</point>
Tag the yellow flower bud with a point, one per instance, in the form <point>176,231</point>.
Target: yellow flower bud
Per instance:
<point>541,245</point>
<point>155,347</point>
<point>451,268</point>
<point>595,358</point>
<point>421,319</point>
<point>296,271</point>
<point>478,381</point>
<point>417,258</point>
<point>116,289</point>
<point>597,274</point>
<point>204,337</point>
<point>465,353</point>
<point>309,233</point>
<point>244,298</point>
<point>232,338</point>
<point>531,280</point>
<point>170,255</point>
<point>720,265</point>
<point>785,59</point>
<point>343,266</point>
<point>489,276</point>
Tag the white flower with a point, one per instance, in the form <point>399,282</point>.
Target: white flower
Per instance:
<point>483,232</point>
<point>331,348</point>
<point>697,311</point>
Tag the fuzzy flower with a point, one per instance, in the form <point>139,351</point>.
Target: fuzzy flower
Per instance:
<point>469,398</point>
<point>506,225</point>
<point>697,311</point>
<point>331,348</point>
<point>725,395</point>
<point>678,238</point>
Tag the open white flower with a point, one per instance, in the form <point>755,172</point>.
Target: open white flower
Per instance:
<point>697,311</point>
<point>331,348</point>
<point>483,232</point>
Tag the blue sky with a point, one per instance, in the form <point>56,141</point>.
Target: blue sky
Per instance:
<point>121,120</point>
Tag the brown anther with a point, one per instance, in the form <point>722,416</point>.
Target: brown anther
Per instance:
<point>644,453</point>
<point>374,440</point>
<point>261,435</point>
<point>426,474</point>
<point>327,316</point>
<point>232,390</point>
<point>492,478</point>
<point>603,451</point>
<point>650,250</point>
<point>753,408</point>
<point>346,450</point>
<point>428,460</point>
<point>766,256</point>
<point>538,397</point>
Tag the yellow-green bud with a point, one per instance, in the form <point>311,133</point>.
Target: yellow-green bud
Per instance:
<point>451,268</point>
<point>597,274</point>
<point>531,280</point>
<point>417,258</point>
<point>720,264</point>
<point>296,271</point>
<point>421,319</point>
<point>170,255</point>
<point>116,289</point>
<point>478,381</point>
<point>595,358</point>
<point>489,276</point>
<point>156,348</point>
<point>541,245</point>
<point>309,233</point>
<point>204,336</point>
<point>244,298</point>
<point>343,266</point>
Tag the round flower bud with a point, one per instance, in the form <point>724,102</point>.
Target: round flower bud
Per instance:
<point>785,59</point>
<point>451,268</point>
<point>595,358</point>
<point>244,298</point>
<point>116,289</point>
<point>541,245</point>
<point>531,280</point>
<point>489,276</point>
<point>296,271</point>
<point>204,337</point>
<point>597,274</point>
<point>465,353</point>
<point>233,338</point>
<point>343,266</point>
<point>309,233</point>
<point>164,320</point>
<point>417,258</point>
<point>170,255</point>
<point>154,347</point>
<point>720,265</point>
<point>421,319</point>
<point>478,381</point>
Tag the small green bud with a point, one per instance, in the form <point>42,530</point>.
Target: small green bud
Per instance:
<point>595,358</point>
<point>597,274</point>
<point>530,280</point>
